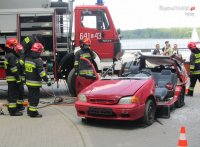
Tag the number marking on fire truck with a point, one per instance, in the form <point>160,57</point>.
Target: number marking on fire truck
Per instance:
<point>91,36</point>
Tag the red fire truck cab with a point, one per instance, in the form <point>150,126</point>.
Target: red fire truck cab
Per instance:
<point>55,24</point>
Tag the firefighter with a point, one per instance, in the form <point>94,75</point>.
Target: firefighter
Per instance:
<point>81,67</point>
<point>194,67</point>
<point>15,85</point>
<point>28,42</point>
<point>20,101</point>
<point>35,72</point>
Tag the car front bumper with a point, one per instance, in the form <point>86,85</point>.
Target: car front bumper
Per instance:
<point>112,112</point>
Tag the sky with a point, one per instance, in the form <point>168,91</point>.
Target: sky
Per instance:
<point>139,14</point>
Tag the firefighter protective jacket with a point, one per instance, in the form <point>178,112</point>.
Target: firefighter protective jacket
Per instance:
<point>83,67</point>
<point>195,62</point>
<point>12,66</point>
<point>34,70</point>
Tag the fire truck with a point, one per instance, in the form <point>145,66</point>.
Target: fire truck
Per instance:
<point>55,22</point>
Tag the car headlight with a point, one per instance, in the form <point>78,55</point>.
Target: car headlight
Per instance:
<point>128,100</point>
<point>82,97</point>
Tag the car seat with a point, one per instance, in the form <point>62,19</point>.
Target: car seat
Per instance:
<point>166,84</point>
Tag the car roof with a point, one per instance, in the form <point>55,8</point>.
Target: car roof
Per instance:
<point>160,59</point>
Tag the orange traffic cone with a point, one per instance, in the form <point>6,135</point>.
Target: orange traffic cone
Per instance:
<point>182,142</point>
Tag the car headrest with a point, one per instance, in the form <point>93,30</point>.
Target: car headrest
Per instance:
<point>166,72</point>
<point>134,69</point>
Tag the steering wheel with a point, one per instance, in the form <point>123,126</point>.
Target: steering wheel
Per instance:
<point>145,72</point>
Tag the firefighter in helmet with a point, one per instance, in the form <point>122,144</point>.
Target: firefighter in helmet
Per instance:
<point>82,67</point>
<point>28,42</point>
<point>194,67</point>
<point>35,72</point>
<point>13,70</point>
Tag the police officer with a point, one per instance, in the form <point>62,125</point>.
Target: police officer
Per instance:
<point>194,67</point>
<point>15,85</point>
<point>35,72</point>
<point>82,67</point>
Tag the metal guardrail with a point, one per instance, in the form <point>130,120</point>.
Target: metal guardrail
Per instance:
<point>149,50</point>
<point>129,53</point>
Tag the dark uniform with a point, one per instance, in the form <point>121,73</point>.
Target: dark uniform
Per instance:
<point>15,85</point>
<point>34,72</point>
<point>194,70</point>
<point>82,67</point>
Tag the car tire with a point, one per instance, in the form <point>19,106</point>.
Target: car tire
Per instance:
<point>181,100</point>
<point>149,113</point>
<point>71,81</point>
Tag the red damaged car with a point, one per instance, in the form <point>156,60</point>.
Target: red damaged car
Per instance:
<point>147,88</point>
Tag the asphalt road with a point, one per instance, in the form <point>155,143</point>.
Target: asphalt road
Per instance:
<point>61,127</point>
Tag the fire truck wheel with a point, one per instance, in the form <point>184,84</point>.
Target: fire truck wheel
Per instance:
<point>71,82</point>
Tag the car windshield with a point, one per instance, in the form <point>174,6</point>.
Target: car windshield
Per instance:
<point>139,76</point>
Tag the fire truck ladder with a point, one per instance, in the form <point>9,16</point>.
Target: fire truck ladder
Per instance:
<point>62,31</point>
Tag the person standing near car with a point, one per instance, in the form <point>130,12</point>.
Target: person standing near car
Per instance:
<point>157,50</point>
<point>34,73</point>
<point>15,84</point>
<point>194,67</point>
<point>168,51</point>
<point>176,51</point>
<point>81,67</point>
<point>165,47</point>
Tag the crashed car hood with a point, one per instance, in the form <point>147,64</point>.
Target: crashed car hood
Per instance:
<point>114,88</point>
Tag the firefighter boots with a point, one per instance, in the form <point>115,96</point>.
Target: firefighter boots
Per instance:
<point>13,111</point>
<point>20,106</point>
<point>32,112</point>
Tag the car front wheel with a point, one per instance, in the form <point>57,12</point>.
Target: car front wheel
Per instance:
<point>149,113</point>
<point>181,100</point>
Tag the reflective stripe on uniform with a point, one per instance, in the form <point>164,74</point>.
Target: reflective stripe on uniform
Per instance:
<point>33,83</point>
<point>191,66</point>
<point>13,69</point>
<point>197,61</point>
<point>32,108</point>
<point>42,74</point>
<point>85,55</point>
<point>20,101</point>
<point>31,64</point>
<point>85,72</point>
<point>21,62</point>
<point>75,63</point>
<point>10,78</point>
<point>196,72</point>
<point>12,105</point>
<point>27,40</point>
<point>197,55</point>
<point>5,64</point>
